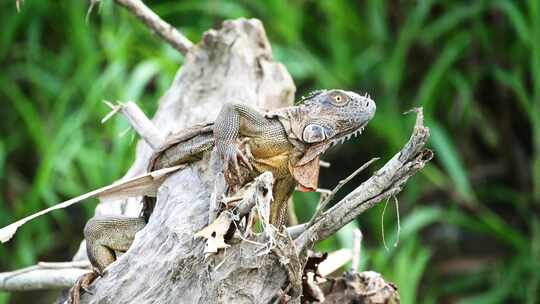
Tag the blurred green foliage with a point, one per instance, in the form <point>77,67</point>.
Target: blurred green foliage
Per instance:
<point>470,229</point>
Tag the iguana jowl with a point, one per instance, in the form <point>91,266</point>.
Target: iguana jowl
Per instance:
<point>287,142</point>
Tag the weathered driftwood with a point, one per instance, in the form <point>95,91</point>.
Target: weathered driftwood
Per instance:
<point>233,64</point>
<point>167,263</point>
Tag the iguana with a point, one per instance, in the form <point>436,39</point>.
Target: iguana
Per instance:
<point>287,142</point>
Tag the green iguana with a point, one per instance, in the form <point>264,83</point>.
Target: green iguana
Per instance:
<point>287,142</point>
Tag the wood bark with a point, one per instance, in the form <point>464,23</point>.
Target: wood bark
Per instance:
<point>166,264</point>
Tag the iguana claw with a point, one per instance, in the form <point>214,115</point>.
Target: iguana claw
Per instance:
<point>83,283</point>
<point>231,167</point>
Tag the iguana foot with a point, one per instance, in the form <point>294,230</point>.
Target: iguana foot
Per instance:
<point>83,283</point>
<point>231,169</point>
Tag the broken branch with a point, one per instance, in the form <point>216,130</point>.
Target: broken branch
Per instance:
<point>386,182</point>
<point>341,183</point>
<point>164,30</point>
<point>138,121</point>
<point>44,275</point>
<point>357,250</point>
<point>146,184</point>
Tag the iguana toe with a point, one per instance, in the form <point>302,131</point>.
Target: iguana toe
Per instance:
<point>83,283</point>
<point>231,167</point>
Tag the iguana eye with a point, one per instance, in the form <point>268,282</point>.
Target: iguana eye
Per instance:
<point>338,99</point>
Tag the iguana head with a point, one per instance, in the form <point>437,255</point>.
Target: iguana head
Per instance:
<point>332,116</point>
<point>323,119</point>
<point>327,117</point>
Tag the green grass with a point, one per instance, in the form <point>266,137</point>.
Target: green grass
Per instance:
<point>473,66</point>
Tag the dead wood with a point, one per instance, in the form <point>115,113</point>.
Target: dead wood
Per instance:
<point>167,262</point>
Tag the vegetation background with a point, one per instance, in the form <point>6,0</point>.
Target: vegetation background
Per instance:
<point>470,228</point>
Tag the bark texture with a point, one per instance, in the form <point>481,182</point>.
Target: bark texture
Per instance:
<point>231,64</point>
<point>166,264</point>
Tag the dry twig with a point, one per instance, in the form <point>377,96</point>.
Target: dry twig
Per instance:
<point>44,275</point>
<point>330,196</point>
<point>357,250</point>
<point>385,183</point>
<point>164,30</point>
<point>138,121</point>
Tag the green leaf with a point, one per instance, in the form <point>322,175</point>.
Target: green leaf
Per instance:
<point>517,20</point>
<point>450,54</point>
<point>450,159</point>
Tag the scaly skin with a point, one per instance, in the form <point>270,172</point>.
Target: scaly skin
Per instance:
<point>109,236</point>
<point>106,238</point>
<point>280,142</point>
<point>287,142</point>
<point>269,147</point>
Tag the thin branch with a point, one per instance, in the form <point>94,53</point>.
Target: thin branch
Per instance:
<point>357,250</point>
<point>382,224</point>
<point>335,261</point>
<point>44,275</point>
<point>323,192</point>
<point>324,164</point>
<point>297,230</point>
<point>138,121</point>
<point>398,222</point>
<point>386,182</point>
<point>341,183</point>
<point>62,265</point>
<point>157,25</point>
<point>146,184</point>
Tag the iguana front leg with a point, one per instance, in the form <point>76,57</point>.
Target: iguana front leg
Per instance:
<point>235,120</point>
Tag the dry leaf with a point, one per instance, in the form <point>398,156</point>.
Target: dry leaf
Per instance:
<point>215,233</point>
<point>146,184</point>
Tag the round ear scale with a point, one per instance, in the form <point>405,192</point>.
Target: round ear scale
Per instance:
<point>313,133</point>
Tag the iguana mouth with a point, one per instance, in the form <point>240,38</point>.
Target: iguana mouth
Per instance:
<point>319,148</point>
<point>343,138</point>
